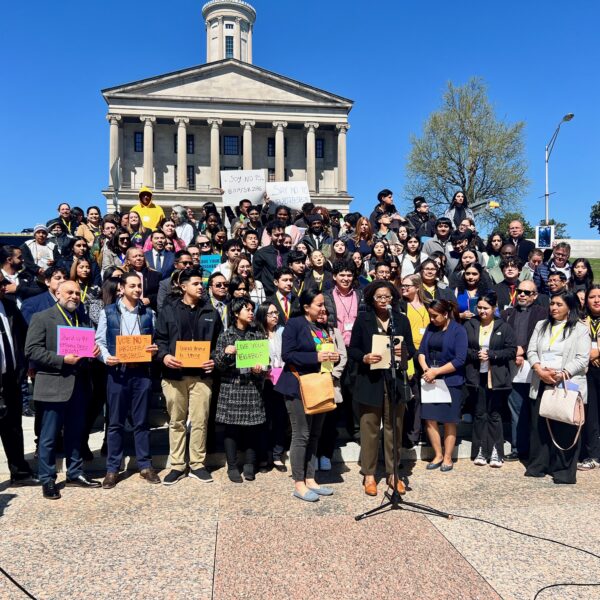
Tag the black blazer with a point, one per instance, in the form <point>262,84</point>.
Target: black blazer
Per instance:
<point>537,313</point>
<point>151,282</point>
<point>18,332</point>
<point>502,353</point>
<point>441,293</point>
<point>369,384</point>
<point>168,264</point>
<point>264,265</point>
<point>294,305</point>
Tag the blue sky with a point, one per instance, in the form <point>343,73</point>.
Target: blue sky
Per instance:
<point>393,59</point>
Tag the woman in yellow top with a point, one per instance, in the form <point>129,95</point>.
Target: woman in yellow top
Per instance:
<point>418,317</point>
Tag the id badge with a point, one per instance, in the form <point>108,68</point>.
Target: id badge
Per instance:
<point>422,330</point>
<point>551,360</point>
<point>507,306</point>
<point>348,326</point>
<point>594,345</point>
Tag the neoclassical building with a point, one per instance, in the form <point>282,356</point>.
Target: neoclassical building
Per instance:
<point>174,133</point>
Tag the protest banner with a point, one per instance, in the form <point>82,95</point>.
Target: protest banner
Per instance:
<point>209,262</point>
<point>192,354</point>
<point>252,353</point>
<point>292,194</point>
<point>76,340</point>
<point>132,348</point>
<point>242,185</point>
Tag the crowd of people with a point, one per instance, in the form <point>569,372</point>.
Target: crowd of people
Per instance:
<point>496,320</point>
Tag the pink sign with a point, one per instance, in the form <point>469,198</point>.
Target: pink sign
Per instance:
<point>76,340</point>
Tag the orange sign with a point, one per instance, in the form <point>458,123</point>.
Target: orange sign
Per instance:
<point>132,348</point>
<point>192,354</point>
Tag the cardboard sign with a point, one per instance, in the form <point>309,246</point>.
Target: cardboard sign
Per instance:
<point>292,194</point>
<point>192,354</point>
<point>75,340</point>
<point>209,262</point>
<point>242,185</point>
<point>327,366</point>
<point>132,348</point>
<point>252,353</point>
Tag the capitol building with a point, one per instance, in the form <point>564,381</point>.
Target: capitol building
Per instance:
<point>175,132</point>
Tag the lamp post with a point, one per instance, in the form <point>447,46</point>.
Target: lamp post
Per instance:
<point>549,147</point>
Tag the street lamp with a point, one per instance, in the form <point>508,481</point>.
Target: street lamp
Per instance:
<point>549,147</point>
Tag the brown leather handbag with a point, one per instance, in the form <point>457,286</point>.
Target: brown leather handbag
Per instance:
<point>316,391</point>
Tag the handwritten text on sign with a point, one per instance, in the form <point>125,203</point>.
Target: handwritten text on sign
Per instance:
<point>132,348</point>
<point>242,185</point>
<point>76,340</point>
<point>292,194</point>
<point>209,262</point>
<point>192,354</point>
<point>252,353</point>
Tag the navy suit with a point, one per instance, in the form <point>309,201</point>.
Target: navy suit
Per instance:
<point>41,302</point>
<point>168,263</point>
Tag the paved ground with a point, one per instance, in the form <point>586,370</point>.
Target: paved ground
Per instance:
<point>254,540</point>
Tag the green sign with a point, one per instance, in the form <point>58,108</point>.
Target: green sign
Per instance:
<point>251,354</point>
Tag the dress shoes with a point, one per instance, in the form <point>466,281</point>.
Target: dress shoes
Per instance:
<point>279,466</point>
<point>110,481</point>
<point>50,491</point>
<point>370,488</point>
<point>22,478</point>
<point>82,481</point>
<point>400,487</point>
<point>149,475</point>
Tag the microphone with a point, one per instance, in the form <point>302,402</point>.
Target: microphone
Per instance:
<point>389,310</point>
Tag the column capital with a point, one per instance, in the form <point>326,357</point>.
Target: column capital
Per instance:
<point>247,124</point>
<point>215,123</point>
<point>147,119</point>
<point>238,19</point>
<point>311,126</point>
<point>114,119</point>
<point>280,124</point>
<point>180,120</point>
<point>342,127</point>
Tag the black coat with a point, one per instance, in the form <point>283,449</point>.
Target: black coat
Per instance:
<point>18,331</point>
<point>332,320</point>
<point>369,384</point>
<point>538,313</point>
<point>502,353</point>
<point>264,266</point>
<point>294,305</point>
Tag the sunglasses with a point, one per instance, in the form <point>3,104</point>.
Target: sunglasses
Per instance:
<point>219,285</point>
<point>525,292</point>
<point>186,263</point>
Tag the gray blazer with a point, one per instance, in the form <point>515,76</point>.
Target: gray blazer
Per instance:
<point>575,358</point>
<point>54,380</point>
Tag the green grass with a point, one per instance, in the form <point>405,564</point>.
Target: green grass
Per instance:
<point>595,262</point>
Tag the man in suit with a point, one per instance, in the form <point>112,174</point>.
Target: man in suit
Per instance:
<point>20,283</point>
<point>523,246</point>
<point>270,258</point>
<point>136,261</point>
<point>13,367</point>
<point>53,277</point>
<point>60,390</point>
<point>296,261</point>
<point>283,299</point>
<point>183,260</point>
<point>523,318</point>
<point>158,258</point>
<point>316,238</point>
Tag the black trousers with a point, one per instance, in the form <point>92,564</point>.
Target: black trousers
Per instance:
<point>590,444</point>
<point>11,428</point>
<point>487,424</point>
<point>243,436</point>
<point>411,428</point>
<point>277,421</point>
<point>97,401</point>
<point>544,457</point>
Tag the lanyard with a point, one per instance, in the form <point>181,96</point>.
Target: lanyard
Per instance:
<point>64,314</point>
<point>67,224</point>
<point>594,328</point>
<point>554,336</point>
<point>299,290</point>
<point>347,310</point>
<point>513,295</point>
<point>84,293</point>
<point>422,315</point>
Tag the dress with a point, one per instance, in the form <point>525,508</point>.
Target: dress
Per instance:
<point>443,413</point>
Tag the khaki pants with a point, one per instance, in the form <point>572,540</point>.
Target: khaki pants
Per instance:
<point>188,396</point>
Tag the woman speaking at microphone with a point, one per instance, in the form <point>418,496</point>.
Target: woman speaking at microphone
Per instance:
<point>372,385</point>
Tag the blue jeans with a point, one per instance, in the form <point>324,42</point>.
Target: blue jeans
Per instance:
<point>128,389</point>
<point>56,415</point>
<point>520,417</point>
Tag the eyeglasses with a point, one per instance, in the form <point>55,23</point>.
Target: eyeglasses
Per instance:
<point>525,292</point>
<point>560,255</point>
<point>383,298</point>
<point>269,314</point>
<point>186,263</point>
<point>406,287</point>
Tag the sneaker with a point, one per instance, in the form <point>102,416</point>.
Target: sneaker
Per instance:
<point>324,464</point>
<point>467,418</point>
<point>495,461</point>
<point>480,460</point>
<point>201,475</point>
<point>173,476</point>
<point>588,464</point>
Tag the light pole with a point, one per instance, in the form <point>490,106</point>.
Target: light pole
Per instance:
<point>549,147</point>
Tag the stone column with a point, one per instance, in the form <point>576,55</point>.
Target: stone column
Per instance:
<point>221,52</point>
<point>342,166</point>
<point>311,166</point>
<point>237,47</point>
<point>215,164</point>
<point>114,151</point>
<point>249,44</point>
<point>247,158</point>
<point>279,150</point>
<point>182,122</point>
<point>208,40</point>
<point>148,122</point>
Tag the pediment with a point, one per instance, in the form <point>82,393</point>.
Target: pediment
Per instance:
<point>229,81</point>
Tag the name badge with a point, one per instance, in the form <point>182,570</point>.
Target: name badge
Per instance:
<point>507,306</point>
<point>422,330</point>
<point>551,360</point>
<point>348,326</point>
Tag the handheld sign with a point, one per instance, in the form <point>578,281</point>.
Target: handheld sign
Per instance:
<point>75,340</point>
<point>132,348</point>
<point>252,353</point>
<point>327,366</point>
<point>292,194</point>
<point>192,354</point>
<point>209,262</point>
<point>242,185</point>
<point>381,346</point>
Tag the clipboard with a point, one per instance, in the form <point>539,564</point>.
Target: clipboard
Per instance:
<point>381,346</point>
<point>435,393</point>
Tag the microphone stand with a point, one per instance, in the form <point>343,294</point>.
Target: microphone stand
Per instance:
<point>394,499</point>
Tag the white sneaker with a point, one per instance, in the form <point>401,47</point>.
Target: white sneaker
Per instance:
<point>588,464</point>
<point>324,464</point>
<point>495,461</point>
<point>480,458</point>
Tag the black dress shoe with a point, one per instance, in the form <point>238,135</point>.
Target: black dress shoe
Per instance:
<point>82,481</point>
<point>279,466</point>
<point>50,491</point>
<point>24,478</point>
<point>512,457</point>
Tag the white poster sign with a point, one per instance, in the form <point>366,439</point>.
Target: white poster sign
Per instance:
<point>292,194</point>
<point>242,185</point>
